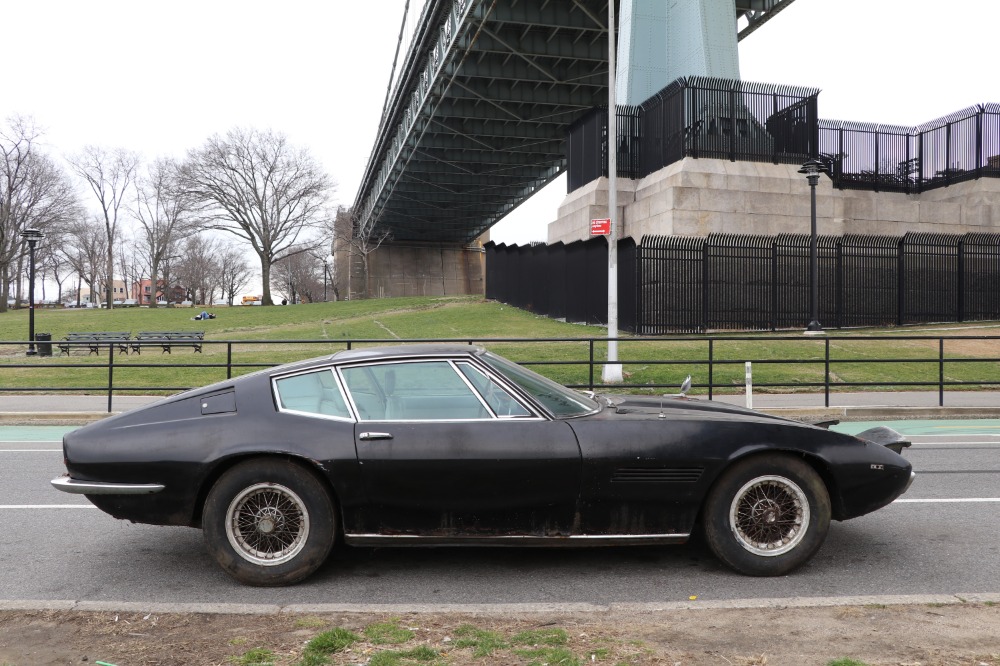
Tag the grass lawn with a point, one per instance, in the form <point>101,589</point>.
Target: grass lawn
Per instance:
<point>257,336</point>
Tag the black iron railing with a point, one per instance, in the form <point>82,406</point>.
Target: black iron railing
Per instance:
<point>704,117</point>
<point>961,146</point>
<point>674,284</point>
<point>822,362</point>
<point>697,117</point>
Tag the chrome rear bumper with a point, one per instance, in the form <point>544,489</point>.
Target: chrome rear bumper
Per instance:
<point>68,485</point>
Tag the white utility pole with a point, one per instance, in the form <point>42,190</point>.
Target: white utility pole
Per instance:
<point>612,369</point>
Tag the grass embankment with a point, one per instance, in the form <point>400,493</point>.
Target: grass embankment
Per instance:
<point>327,327</point>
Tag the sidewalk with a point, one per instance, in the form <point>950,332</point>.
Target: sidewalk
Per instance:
<point>844,406</point>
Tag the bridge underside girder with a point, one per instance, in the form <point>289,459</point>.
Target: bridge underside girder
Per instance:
<point>478,120</point>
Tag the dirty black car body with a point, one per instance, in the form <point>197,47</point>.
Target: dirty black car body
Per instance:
<point>439,444</point>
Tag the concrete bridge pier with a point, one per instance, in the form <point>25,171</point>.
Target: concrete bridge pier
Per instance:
<point>412,269</point>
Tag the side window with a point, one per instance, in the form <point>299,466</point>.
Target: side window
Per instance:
<point>417,391</point>
<point>313,393</point>
<point>500,401</point>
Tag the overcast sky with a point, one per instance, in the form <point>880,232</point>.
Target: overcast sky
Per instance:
<point>160,77</point>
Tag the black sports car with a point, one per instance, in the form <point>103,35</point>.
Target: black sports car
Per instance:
<point>446,444</point>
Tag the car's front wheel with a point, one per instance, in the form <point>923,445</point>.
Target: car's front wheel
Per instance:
<point>269,522</point>
<point>767,515</point>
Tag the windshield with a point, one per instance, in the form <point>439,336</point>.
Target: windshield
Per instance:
<point>558,399</point>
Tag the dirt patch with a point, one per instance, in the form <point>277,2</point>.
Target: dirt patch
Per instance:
<point>954,635</point>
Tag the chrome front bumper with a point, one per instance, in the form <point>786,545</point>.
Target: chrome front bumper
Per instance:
<point>68,485</point>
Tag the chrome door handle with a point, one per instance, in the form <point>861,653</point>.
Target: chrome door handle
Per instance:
<point>374,435</point>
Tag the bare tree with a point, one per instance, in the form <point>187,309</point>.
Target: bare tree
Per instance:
<point>109,175</point>
<point>299,275</point>
<point>34,193</point>
<point>57,265</point>
<point>255,185</point>
<point>234,272</point>
<point>163,211</point>
<point>87,254</point>
<point>355,238</point>
<point>131,262</point>
<point>196,267</point>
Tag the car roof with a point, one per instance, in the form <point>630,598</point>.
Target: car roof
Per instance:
<point>405,351</point>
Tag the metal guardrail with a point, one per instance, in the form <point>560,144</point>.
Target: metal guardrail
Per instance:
<point>593,361</point>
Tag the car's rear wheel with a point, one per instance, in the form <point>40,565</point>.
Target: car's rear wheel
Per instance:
<point>269,522</point>
<point>767,515</point>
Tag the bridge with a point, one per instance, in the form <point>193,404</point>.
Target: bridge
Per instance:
<point>477,114</point>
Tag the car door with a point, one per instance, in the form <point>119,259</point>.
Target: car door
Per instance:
<point>439,460</point>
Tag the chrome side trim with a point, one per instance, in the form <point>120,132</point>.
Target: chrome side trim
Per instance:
<point>515,540</point>
<point>68,485</point>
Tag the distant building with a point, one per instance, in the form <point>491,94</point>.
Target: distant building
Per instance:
<point>142,292</point>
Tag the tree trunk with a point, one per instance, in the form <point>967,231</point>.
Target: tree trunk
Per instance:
<point>265,277</point>
<point>152,285</point>
<point>111,275</point>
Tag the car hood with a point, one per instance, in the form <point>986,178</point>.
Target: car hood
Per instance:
<point>673,406</point>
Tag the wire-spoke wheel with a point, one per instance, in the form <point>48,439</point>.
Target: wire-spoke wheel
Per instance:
<point>767,515</point>
<point>269,522</point>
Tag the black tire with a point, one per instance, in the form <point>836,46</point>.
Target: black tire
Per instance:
<point>767,515</point>
<point>269,522</point>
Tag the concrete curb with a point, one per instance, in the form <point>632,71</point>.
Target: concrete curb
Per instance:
<point>502,609</point>
<point>52,418</point>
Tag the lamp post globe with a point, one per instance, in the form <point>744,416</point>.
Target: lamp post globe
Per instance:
<point>812,170</point>
<point>31,237</point>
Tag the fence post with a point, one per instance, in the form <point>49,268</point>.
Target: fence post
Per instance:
<point>774,285</point>
<point>947,154</point>
<point>839,278</point>
<point>591,364</point>
<point>826,372</point>
<point>732,112</point>
<point>111,373</point>
<point>920,163</point>
<point>961,278</point>
<point>229,360</point>
<point>940,372</point>
<point>840,160</point>
<point>876,159</point>
<point>979,143</point>
<point>900,281</point>
<point>693,106</point>
<point>711,366</point>
<point>705,286</point>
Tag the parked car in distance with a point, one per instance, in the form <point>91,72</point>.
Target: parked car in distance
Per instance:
<point>448,444</point>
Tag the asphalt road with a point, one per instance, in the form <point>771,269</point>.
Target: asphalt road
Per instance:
<point>943,537</point>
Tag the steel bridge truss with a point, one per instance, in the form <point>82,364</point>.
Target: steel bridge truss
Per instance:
<point>478,119</point>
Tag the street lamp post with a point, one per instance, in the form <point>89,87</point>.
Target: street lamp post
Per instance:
<point>327,260</point>
<point>812,169</point>
<point>32,236</point>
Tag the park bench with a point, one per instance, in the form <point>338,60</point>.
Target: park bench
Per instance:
<point>93,341</point>
<point>168,339</point>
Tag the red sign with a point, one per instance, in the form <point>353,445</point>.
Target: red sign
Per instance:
<point>600,227</point>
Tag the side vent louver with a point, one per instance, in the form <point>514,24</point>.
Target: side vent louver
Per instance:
<point>656,475</point>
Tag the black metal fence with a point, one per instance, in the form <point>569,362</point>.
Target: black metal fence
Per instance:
<point>671,284</point>
<point>756,122</point>
<point>824,365</point>
<point>698,117</point>
<point>964,145</point>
